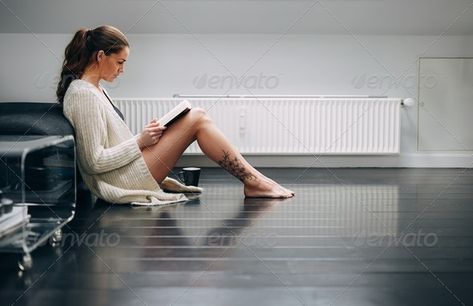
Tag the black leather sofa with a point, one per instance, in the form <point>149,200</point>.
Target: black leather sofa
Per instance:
<point>35,118</point>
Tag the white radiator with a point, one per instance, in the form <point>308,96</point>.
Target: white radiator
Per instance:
<point>289,126</point>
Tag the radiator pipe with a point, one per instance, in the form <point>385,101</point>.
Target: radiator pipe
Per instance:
<point>404,102</point>
<point>407,102</point>
<point>276,96</point>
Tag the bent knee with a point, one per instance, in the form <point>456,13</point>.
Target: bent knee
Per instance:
<point>199,114</point>
<point>198,111</point>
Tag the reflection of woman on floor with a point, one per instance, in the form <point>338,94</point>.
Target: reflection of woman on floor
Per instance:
<point>166,236</point>
<point>230,232</point>
<point>167,232</point>
<point>122,168</point>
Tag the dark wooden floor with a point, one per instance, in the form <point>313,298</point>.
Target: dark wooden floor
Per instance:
<point>349,237</point>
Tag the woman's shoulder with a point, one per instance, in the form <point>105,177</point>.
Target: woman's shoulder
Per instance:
<point>82,99</point>
<point>80,89</point>
<point>79,85</point>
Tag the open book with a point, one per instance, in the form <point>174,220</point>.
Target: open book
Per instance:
<point>175,113</point>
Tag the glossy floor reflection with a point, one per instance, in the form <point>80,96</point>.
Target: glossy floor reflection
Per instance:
<point>349,237</point>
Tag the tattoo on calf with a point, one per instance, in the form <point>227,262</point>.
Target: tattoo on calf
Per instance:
<point>235,167</point>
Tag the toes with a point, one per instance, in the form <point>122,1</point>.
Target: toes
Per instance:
<point>288,195</point>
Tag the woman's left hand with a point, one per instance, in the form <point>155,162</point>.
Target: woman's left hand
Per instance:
<point>151,134</point>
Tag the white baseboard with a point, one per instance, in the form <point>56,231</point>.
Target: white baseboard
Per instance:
<point>413,160</point>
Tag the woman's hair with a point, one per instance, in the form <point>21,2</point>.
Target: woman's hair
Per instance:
<point>82,50</point>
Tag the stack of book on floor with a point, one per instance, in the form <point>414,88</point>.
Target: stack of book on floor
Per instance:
<point>12,217</point>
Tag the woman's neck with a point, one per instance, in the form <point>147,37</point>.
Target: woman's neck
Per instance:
<point>92,78</point>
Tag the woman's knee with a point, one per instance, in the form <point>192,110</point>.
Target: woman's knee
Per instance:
<point>199,114</point>
<point>198,111</point>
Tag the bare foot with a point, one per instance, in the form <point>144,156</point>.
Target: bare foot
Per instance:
<point>266,188</point>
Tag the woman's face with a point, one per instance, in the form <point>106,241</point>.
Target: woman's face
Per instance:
<point>112,65</point>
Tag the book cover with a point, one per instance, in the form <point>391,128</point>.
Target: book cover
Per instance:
<point>175,113</point>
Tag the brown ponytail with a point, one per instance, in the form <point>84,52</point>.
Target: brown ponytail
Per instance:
<point>82,50</point>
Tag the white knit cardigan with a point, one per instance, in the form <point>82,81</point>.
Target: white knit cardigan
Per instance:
<point>109,158</point>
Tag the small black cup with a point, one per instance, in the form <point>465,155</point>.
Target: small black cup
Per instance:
<point>190,176</point>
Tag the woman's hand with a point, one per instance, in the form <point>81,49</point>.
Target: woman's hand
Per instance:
<point>150,134</point>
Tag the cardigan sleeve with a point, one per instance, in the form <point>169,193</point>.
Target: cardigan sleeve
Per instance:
<point>91,136</point>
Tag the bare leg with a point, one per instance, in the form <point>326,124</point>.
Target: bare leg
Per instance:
<point>196,125</point>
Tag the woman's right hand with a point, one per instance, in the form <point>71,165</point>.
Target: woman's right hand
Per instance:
<point>151,134</point>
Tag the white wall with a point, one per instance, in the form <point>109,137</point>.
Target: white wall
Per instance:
<point>161,65</point>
